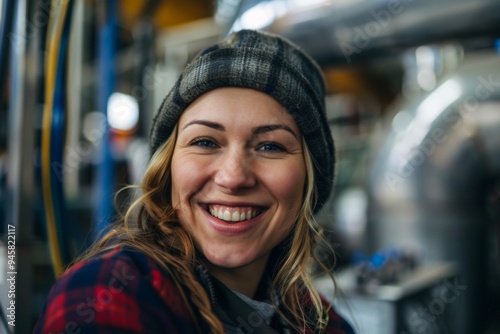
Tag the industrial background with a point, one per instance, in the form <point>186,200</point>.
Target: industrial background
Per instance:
<point>413,105</point>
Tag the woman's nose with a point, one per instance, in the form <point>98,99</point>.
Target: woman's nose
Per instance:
<point>235,171</point>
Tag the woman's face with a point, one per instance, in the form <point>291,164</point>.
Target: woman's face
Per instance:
<point>238,175</point>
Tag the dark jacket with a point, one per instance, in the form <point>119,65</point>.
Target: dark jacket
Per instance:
<point>124,291</point>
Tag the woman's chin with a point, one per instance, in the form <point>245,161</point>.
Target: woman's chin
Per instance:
<point>228,260</point>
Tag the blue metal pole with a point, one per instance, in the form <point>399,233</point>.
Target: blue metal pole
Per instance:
<point>105,170</point>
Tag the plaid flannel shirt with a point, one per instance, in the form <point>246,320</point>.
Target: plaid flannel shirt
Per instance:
<point>124,291</point>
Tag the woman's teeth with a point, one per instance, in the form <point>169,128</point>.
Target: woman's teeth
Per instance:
<point>233,215</point>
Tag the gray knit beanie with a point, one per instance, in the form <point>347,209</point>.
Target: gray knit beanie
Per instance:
<point>272,65</point>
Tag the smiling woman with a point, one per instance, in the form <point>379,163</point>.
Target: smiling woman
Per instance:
<point>238,177</point>
<point>222,238</point>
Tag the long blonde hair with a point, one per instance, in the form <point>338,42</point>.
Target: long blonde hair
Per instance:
<point>150,226</point>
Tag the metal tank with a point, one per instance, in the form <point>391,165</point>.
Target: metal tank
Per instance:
<point>430,182</point>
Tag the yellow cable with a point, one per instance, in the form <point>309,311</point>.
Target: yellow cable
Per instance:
<point>53,43</point>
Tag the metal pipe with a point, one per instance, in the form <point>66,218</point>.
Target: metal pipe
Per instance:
<point>74,87</point>
<point>105,183</point>
<point>6,14</point>
<point>21,142</point>
<point>341,32</point>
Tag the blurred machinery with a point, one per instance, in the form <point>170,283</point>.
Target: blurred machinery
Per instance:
<point>432,180</point>
<point>390,293</point>
<point>433,184</point>
<point>77,88</point>
<point>414,109</point>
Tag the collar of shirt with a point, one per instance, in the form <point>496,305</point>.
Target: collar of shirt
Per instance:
<point>265,308</point>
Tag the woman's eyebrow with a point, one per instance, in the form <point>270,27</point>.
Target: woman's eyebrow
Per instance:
<point>273,127</point>
<point>213,125</point>
<point>256,131</point>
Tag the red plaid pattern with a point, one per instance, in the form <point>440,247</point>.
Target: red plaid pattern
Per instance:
<point>123,291</point>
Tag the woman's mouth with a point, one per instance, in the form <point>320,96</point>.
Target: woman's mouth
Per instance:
<point>234,214</point>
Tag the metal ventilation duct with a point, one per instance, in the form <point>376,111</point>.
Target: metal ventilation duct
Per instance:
<point>340,32</point>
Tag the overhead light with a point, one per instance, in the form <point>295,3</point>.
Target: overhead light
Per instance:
<point>308,3</point>
<point>261,15</point>
<point>123,112</point>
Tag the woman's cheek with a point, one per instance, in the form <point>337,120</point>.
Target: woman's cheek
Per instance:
<point>287,181</point>
<point>189,173</point>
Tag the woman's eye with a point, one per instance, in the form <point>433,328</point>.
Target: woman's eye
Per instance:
<point>204,142</point>
<point>271,147</point>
